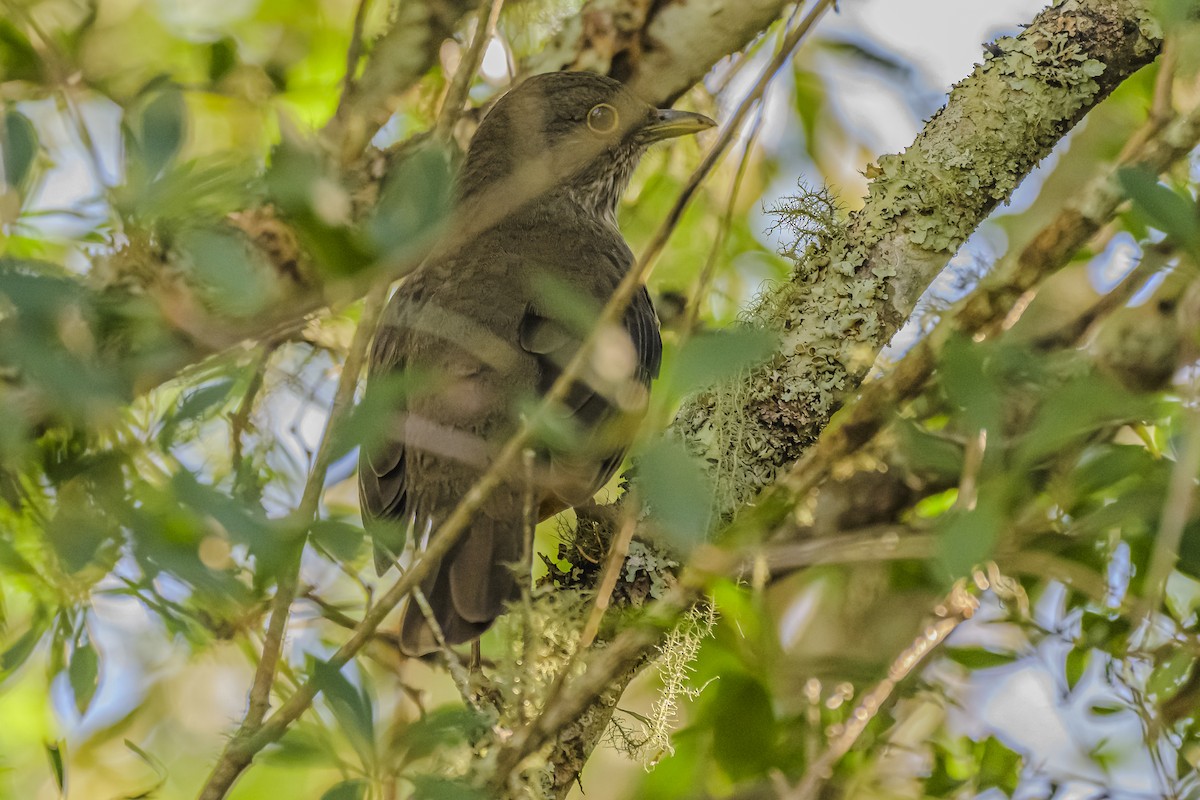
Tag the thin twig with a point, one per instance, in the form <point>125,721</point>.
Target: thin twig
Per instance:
<point>460,86</point>
<point>285,592</point>
<point>958,607</point>
<point>705,280</point>
<point>353,53</point>
<point>1177,510</point>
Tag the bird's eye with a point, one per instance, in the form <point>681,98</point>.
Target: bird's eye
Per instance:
<point>602,119</point>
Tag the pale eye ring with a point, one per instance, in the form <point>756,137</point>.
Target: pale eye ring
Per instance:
<point>603,119</point>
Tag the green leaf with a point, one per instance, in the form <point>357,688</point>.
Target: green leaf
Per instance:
<point>1075,665</point>
<point>440,729</point>
<point>20,650</point>
<point>159,770</point>
<point>1106,710</point>
<point>967,538</point>
<point>83,670</point>
<point>999,767</point>
<point>54,751</point>
<point>195,405</point>
<point>19,61</point>
<point>966,379</point>
<point>980,658</point>
<point>676,489</point>
<point>1172,213</point>
<point>350,706</point>
<point>347,790</point>
<point>435,787</point>
<point>743,726</point>
<point>342,540</point>
<point>710,358</point>
<point>413,204</point>
<point>163,127</point>
<point>19,146</point>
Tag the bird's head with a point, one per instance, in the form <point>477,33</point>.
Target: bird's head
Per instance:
<point>575,135</point>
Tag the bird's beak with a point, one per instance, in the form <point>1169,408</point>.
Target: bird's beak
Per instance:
<point>669,123</point>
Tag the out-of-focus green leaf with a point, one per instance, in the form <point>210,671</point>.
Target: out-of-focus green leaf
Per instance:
<point>347,790</point>
<point>1075,665</point>
<point>19,651</point>
<point>54,751</point>
<point>710,358</point>
<point>677,491</point>
<point>19,61</point>
<point>1172,213</point>
<point>220,261</point>
<point>969,384</point>
<point>195,405</point>
<point>159,770</point>
<point>436,787</point>
<point>966,538</point>
<point>442,728</point>
<point>926,453</point>
<point>19,146</point>
<point>414,203</point>
<point>83,671</point>
<point>163,128</point>
<point>1109,634</point>
<point>222,58</point>
<point>342,540</point>
<point>743,726</point>
<point>351,707</point>
<point>979,657</point>
<point>999,767</point>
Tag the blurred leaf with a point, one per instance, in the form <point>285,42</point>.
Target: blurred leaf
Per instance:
<point>967,538</point>
<point>676,490</point>
<point>1075,665</point>
<point>743,726</point>
<point>54,751</point>
<point>979,658</point>
<point>347,790</point>
<point>413,204</point>
<point>163,127</point>
<point>222,58</point>
<point>154,764</point>
<point>1172,213</point>
<point>968,383</point>
<point>1106,710</point>
<point>999,767</point>
<point>436,787</point>
<point>20,650</point>
<point>712,357</point>
<point>19,146</point>
<point>194,405</point>
<point>83,670</point>
<point>926,453</point>
<point>440,729</point>
<point>220,260</point>
<point>1109,634</point>
<point>351,707</point>
<point>342,540</point>
<point>19,60</point>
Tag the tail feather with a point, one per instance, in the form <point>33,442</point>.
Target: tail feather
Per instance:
<point>467,590</point>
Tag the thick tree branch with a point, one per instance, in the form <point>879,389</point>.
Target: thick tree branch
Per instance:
<point>858,284</point>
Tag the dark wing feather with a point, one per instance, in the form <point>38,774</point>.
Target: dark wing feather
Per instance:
<point>553,344</point>
<point>382,487</point>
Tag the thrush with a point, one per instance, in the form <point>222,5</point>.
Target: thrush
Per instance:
<point>489,320</point>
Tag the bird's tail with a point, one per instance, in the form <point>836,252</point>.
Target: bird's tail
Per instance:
<point>467,590</point>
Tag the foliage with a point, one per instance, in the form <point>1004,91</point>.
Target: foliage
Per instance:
<point>168,203</point>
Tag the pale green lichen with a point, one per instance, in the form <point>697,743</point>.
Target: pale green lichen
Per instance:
<point>858,279</point>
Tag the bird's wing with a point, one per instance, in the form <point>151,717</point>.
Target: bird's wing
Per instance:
<point>382,491</point>
<point>603,407</point>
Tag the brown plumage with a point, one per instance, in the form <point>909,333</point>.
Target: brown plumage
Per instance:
<point>491,317</point>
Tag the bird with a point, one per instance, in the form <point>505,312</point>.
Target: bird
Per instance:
<point>490,318</point>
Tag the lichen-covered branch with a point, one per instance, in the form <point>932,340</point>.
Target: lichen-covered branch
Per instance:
<point>398,59</point>
<point>659,49</point>
<point>856,285</point>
